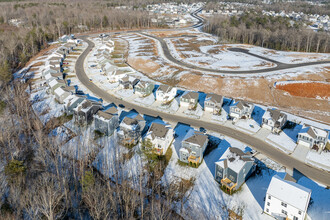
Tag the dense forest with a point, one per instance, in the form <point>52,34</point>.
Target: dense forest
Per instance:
<point>41,22</point>
<point>266,31</point>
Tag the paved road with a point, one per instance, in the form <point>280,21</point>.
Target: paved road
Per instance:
<point>259,145</point>
<point>279,65</point>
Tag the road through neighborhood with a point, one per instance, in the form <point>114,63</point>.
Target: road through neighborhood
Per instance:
<point>320,176</point>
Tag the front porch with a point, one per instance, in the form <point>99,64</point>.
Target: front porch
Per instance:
<point>193,159</point>
<point>158,151</point>
<point>228,184</point>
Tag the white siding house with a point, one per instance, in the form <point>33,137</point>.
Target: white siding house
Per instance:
<point>165,93</point>
<point>160,136</point>
<point>286,199</point>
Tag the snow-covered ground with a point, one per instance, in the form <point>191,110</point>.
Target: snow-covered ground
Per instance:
<point>223,59</point>
<point>288,57</point>
<point>146,101</point>
<point>125,93</point>
<point>282,141</point>
<point>249,125</point>
<point>110,163</point>
<point>321,160</point>
<point>45,105</point>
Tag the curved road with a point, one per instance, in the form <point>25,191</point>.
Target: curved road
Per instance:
<point>279,65</point>
<point>261,146</point>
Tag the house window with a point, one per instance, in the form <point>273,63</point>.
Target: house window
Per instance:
<point>295,218</point>
<point>284,212</point>
<point>268,203</point>
<point>284,204</point>
<point>299,212</point>
<point>269,197</point>
<point>267,210</point>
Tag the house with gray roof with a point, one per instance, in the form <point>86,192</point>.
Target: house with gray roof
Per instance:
<point>233,168</point>
<point>274,120</point>
<point>311,136</point>
<point>54,84</point>
<point>106,121</point>
<point>72,102</point>
<point>193,147</point>
<point>165,93</point>
<point>83,113</point>
<point>241,109</point>
<point>50,69</point>
<point>213,103</point>
<point>130,130</point>
<point>160,136</point>
<point>189,99</point>
<point>144,88</point>
<point>128,82</point>
<point>61,93</point>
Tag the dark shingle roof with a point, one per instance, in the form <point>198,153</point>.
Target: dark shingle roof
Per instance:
<point>198,138</point>
<point>158,130</point>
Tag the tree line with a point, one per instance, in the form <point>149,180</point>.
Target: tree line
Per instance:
<point>44,21</point>
<point>272,32</point>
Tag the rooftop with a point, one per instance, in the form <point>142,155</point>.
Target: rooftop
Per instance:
<point>158,130</point>
<point>289,192</point>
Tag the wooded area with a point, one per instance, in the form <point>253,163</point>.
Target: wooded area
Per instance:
<point>39,181</point>
<point>41,22</point>
<point>272,32</point>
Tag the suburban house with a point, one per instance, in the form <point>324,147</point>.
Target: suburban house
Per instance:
<point>71,103</point>
<point>160,136</point>
<point>61,53</point>
<point>285,199</point>
<point>233,168</point>
<point>310,136</point>
<point>56,64</point>
<point>213,103</point>
<point>274,120</point>
<point>83,113</point>
<point>130,130</point>
<point>241,109</point>
<point>116,75</point>
<point>144,88</point>
<point>165,93</point>
<point>106,121</point>
<point>189,99</point>
<point>49,77</point>
<point>193,147</point>
<point>51,69</point>
<point>61,94</point>
<point>56,83</point>
<point>56,59</point>
<point>128,82</point>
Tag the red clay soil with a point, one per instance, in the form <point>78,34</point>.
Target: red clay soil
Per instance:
<point>308,90</point>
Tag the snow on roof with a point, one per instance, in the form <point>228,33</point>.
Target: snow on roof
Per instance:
<point>53,83</point>
<point>289,192</point>
<point>60,91</point>
<point>313,132</point>
<point>235,158</point>
<point>69,99</point>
